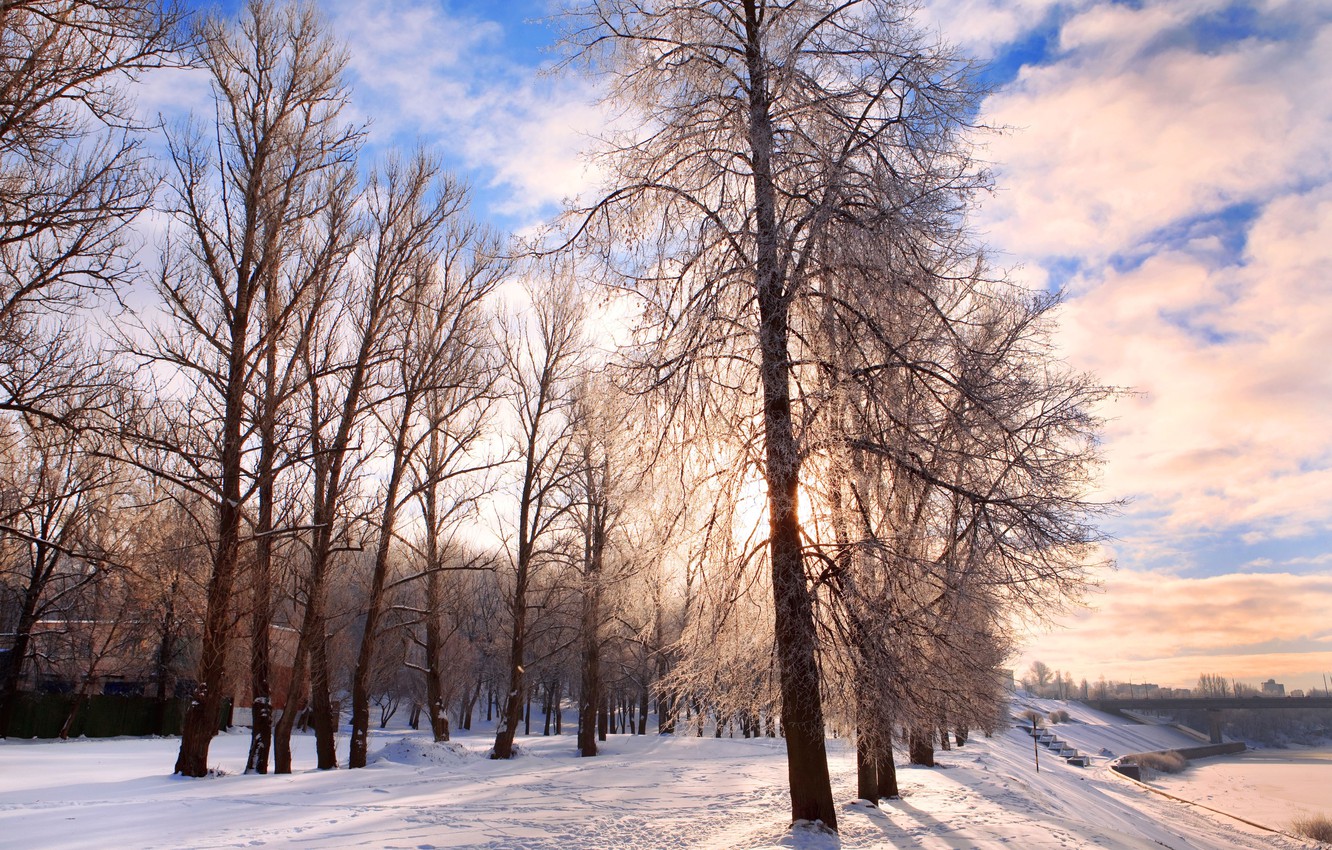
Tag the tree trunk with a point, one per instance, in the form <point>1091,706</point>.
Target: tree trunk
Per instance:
<point>201,717</point>
<point>470,705</point>
<point>527,714</point>
<point>261,704</point>
<point>802,706</point>
<point>666,713</point>
<point>867,725</point>
<point>295,704</point>
<point>323,716</point>
<point>365,659</point>
<point>867,774</point>
<point>434,642</point>
<point>589,697</point>
<point>513,703</point>
<point>547,709</point>
<point>18,654</point>
<point>80,700</point>
<point>434,649</point>
<point>642,711</point>
<point>559,707</point>
<point>921,749</point>
<point>883,765</point>
<point>261,611</point>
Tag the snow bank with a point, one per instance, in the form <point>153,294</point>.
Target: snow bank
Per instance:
<point>418,752</point>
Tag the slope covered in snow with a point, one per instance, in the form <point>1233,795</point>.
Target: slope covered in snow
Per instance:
<point>1093,731</point>
<point>645,792</point>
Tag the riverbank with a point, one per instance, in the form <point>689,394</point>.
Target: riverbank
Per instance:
<point>1268,786</point>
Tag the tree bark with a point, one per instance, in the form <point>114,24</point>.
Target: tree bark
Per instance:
<point>921,748</point>
<point>201,718</point>
<point>18,652</point>
<point>261,612</point>
<point>590,693</point>
<point>642,710</point>
<point>802,705</point>
<point>867,773</point>
<point>434,648</point>
<point>884,767</point>
<point>512,711</point>
<point>360,719</point>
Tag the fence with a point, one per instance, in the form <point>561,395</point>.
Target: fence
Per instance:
<point>100,716</point>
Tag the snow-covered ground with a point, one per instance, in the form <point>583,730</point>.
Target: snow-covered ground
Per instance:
<point>649,792</point>
<point>1268,786</point>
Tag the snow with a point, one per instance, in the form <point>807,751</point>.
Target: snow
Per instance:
<point>642,792</point>
<point>1271,787</point>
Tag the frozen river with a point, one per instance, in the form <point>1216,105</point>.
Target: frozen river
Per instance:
<point>1270,787</point>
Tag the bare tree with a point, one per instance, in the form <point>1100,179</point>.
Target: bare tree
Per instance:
<point>457,417</point>
<point>542,363</point>
<point>72,180</point>
<point>438,376</point>
<point>170,565</point>
<point>1212,685</point>
<point>244,196</point>
<point>792,215</point>
<point>346,386</point>
<point>595,509</point>
<point>54,539</point>
<point>957,492</point>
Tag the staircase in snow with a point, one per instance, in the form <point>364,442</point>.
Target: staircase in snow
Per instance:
<point>1051,742</point>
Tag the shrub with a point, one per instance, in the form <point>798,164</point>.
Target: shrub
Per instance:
<point>1160,762</point>
<point>1317,827</point>
<point>1032,716</point>
<point>1059,716</point>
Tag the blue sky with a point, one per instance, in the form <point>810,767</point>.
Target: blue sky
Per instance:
<point>1168,163</point>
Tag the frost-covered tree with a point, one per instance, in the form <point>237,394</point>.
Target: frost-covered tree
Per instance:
<point>767,129</point>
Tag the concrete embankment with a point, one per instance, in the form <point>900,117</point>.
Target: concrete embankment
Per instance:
<point>1128,765</point>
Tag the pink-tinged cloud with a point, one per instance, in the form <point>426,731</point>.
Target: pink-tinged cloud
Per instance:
<point>1155,627</point>
<point>1229,423</point>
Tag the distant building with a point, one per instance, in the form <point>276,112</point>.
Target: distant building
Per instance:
<point>1273,688</point>
<point>1297,693</point>
<point>1138,690</point>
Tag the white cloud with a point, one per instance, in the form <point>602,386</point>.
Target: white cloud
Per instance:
<point>1301,561</point>
<point>982,27</point>
<point>172,94</point>
<point>1114,141</point>
<point>1131,140</point>
<point>426,74</point>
